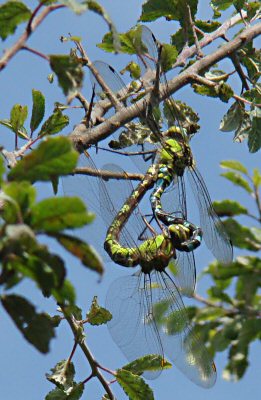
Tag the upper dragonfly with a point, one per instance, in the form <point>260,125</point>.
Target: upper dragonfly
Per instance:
<point>175,159</point>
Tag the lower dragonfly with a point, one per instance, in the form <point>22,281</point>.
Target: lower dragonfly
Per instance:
<point>175,158</point>
<point>149,316</point>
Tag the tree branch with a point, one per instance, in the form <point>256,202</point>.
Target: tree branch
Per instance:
<point>30,28</point>
<point>83,137</point>
<point>74,325</point>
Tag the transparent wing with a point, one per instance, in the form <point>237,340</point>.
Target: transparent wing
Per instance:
<point>158,325</point>
<point>132,327</point>
<point>192,357</point>
<point>184,271</point>
<point>214,232</point>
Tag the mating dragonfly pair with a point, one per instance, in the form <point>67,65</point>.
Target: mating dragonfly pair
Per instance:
<point>149,316</point>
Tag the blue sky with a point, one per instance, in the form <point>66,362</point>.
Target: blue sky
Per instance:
<point>23,368</point>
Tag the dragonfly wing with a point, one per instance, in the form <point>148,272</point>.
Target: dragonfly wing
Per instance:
<point>214,232</point>
<point>132,327</point>
<point>180,344</point>
<point>184,271</point>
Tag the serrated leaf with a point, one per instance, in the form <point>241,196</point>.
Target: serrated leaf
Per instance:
<point>235,165</point>
<point>97,314</point>
<point>68,71</point>
<point>59,213</point>
<point>75,6</point>
<point>54,124</point>
<point>222,90</point>
<point>53,157</point>
<point>229,208</point>
<point>151,362</point>
<point>134,386</point>
<point>85,252</point>
<point>172,10</point>
<point>241,236</point>
<point>238,180</point>
<point>18,116</point>
<point>12,13</point>
<point>73,393</point>
<point>36,327</point>
<point>62,375</point>
<point>38,109</point>
<point>232,119</point>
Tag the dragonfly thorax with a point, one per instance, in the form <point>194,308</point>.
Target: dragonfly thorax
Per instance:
<point>155,253</point>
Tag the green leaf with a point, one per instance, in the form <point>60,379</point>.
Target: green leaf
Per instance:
<point>65,294</point>
<point>134,386</point>
<point>62,374</point>
<point>254,134</point>
<point>85,252</point>
<point>233,118</point>
<point>235,165</point>
<point>217,294</point>
<point>36,327</point>
<point>229,208</point>
<point>151,362</point>
<point>12,13</point>
<point>21,132</point>
<point>242,236</point>
<point>18,116</point>
<point>24,195</point>
<point>238,180</point>
<point>172,10</point>
<point>168,56</point>
<point>256,177</point>
<point>2,170</point>
<point>54,124</point>
<point>38,109</point>
<point>222,90</point>
<point>53,157</point>
<point>97,314</point>
<point>219,342</point>
<point>73,393</point>
<point>69,73</point>
<point>59,213</point>
<point>220,5</point>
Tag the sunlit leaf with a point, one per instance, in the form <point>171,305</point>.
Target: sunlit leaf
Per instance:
<point>98,315</point>
<point>53,157</point>
<point>59,213</point>
<point>222,90</point>
<point>254,134</point>
<point>256,177</point>
<point>54,124</point>
<point>242,236</point>
<point>62,375</point>
<point>36,327</point>
<point>229,208</point>
<point>38,109</point>
<point>133,385</point>
<point>235,165</point>
<point>172,10</point>
<point>21,132</point>
<point>73,393</point>
<point>12,13</point>
<point>238,180</point>
<point>151,362</point>
<point>232,119</point>
<point>18,116</point>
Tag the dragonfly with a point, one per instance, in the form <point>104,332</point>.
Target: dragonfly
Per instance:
<point>176,162</point>
<point>149,316</point>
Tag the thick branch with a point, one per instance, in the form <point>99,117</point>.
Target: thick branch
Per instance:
<point>83,137</point>
<point>31,26</point>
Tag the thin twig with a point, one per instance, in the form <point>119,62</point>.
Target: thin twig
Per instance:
<point>108,174</point>
<point>38,53</point>
<point>199,51</point>
<point>74,325</point>
<point>31,26</point>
